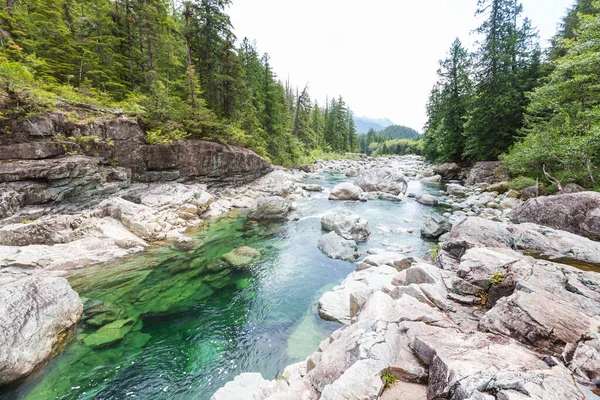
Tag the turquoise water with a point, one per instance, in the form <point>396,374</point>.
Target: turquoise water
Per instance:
<point>184,323</point>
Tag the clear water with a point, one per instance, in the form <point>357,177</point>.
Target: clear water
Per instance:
<point>191,324</point>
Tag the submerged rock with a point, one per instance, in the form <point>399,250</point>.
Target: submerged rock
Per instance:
<point>110,333</point>
<point>35,314</point>
<point>345,191</point>
<point>346,224</point>
<point>386,180</point>
<point>242,256</point>
<point>337,247</point>
<point>269,208</point>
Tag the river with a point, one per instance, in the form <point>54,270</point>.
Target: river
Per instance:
<point>189,323</point>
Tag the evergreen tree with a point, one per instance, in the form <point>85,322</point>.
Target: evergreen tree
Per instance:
<point>507,67</point>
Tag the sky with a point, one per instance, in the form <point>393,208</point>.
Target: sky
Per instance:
<point>380,55</point>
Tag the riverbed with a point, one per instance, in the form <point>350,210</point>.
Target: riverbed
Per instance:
<point>181,323</point>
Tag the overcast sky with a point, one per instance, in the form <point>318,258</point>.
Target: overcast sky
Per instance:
<point>380,55</point>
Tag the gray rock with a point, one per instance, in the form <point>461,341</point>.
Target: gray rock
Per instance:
<point>313,188</point>
<point>427,200</point>
<point>486,172</point>
<point>35,314</point>
<point>456,190</point>
<point>386,180</point>
<point>337,247</point>
<point>463,364</point>
<point>449,171</point>
<point>435,226</point>
<point>269,208</point>
<point>577,213</point>
<point>530,192</point>
<point>432,179</point>
<point>346,224</point>
<point>345,191</point>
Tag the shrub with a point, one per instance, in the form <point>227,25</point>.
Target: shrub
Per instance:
<point>521,182</point>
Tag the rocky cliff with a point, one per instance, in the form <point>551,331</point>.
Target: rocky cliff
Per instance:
<point>51,158</point>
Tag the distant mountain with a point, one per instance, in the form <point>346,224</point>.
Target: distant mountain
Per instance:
<point>399,132</point>
<point>363,124</point>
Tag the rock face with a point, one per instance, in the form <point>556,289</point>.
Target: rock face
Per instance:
<point>386,180</point>
<point>577,213</point>
<point>337,247</point>
<point>35,313</point>
<point>346,224</point>
<point>36,160</point>
<point>486,172</point>
<point>346,191</point>
<point>274,208</point>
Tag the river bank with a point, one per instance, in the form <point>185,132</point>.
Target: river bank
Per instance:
<point>181,301</point>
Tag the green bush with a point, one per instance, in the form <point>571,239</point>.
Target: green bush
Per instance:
<point>521,182</point>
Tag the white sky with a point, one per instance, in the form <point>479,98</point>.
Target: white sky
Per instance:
<point>380,55</point>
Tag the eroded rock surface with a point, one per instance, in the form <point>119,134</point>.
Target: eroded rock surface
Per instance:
<point>36,314</point>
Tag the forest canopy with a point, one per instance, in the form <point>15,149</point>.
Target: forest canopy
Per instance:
<point>176,66</point>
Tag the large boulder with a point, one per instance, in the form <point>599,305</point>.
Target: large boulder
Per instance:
<point>274,208</point>
<point>386,180</point>
<point>435,226</point>
<point>35,314</point>
<point>345,191</point>
<point>346,224</point>
<point>578,213</point>
<point>449,172</point>
<point>428,200</point>
<point>337,247</point>
<point>486,172</point>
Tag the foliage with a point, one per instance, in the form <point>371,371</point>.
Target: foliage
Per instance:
<point>175,66</point>
<point>373,141</point>
<point>521,182</point>
<point>396,146</point>
<point>563,119</point>
<point>389,379</point>
<point>448,106</point>
<point>496,279</point>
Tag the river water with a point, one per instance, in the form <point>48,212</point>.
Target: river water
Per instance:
<point>172,324</point>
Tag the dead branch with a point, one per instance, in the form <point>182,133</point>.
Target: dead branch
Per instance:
<point>552,179</point>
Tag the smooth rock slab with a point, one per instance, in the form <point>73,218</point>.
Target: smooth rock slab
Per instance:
<point>337,247</point>
<point>34,313</point>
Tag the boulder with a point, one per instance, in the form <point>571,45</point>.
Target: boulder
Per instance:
<point>577,213</point>
<point>456,190</point>
<point>500,187</point>
<point>530,192</point>
<point>35,315</point>
<point>571,188</point>
<point>435,226</point>
<point>449,171</point>
<point>486,172</point>
<point>345,191</point>
<point>346,224</point>
<point>427,200</point>
<point>386,180</point>
<point>272,208</point>
<point>337,247</point>
<point>432,179</point>
<point>242,256</point>
<point>476,232</point>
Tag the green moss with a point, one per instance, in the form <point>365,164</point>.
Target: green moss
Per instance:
<point>388,379</point>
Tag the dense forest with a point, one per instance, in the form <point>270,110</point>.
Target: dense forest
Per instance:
<point>538,112</point>
<point>395,139</point>
<point>175,65</point>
